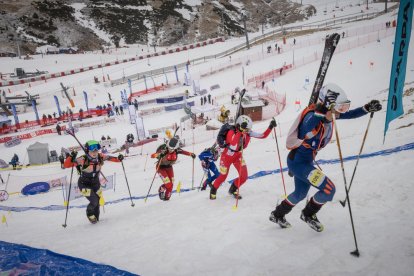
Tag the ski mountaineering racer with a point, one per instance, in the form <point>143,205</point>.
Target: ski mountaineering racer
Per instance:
<point>207,158</point>
<point>90,165</point>
<point>310,133</point>
<point>237,139</point>
<point>167,155</point>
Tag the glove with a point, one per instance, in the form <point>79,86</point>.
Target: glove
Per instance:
<point>373,106</point>
<point>204,164</point>
<point>330,98</point>
<point>272,124</point>
<point>193,155</point>
<point>120,157</point>
<point>73,155</point>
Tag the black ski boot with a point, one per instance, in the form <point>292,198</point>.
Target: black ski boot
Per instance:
<point>309,215</point>
<point>278,215</point>
<point>92,219</point>
<point>234,192</point>
<point>213,192</point>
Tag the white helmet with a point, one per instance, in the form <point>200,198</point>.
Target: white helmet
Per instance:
<point>342,102</point>
<point>244,122</point>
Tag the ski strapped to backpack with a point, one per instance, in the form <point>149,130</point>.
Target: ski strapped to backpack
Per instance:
<point>292,141</point>
<point>330,45</point>
<point>221,136</point>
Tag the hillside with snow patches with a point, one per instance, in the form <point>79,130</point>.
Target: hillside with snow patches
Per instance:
<point>192,235</point>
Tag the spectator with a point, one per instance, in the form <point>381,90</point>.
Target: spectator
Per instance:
<point>15,161</point>
<point>44,119</point>
<point>107,137</point>
<point>117,110</point>
<point>209,98</point>
<point>80,114</point>
<point>59,129</point>
<point>201,100</point>
<point>62,161</point>
<point>54,115</point>
<point>103,138</point>
<point>294,41</point>
<point>263,84</point>
<point>205,99</point>
<point>109,96</point>
<point>121,108</point>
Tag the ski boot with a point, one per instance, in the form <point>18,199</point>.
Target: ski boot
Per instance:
<point>234,192</point>
<point>308,215</point>
<point>213,192</point>
<point>312,221</point>
<point>93,219</point>
<point>283,223</point>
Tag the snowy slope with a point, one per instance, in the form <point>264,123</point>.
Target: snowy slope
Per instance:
<point>191,235</point>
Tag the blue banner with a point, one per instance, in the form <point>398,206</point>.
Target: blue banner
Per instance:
<point>85,95</point>
<point>18,259</point>
<point>169,100</point>
<point>35,111</point>
<point>58,106</point>
<point>399,62</point>
<point>16,118</point>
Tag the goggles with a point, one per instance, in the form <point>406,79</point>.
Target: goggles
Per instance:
<point>343,107</point>
<point>94,147</point>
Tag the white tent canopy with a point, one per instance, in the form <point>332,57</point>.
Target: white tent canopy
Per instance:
<point>38,153</point>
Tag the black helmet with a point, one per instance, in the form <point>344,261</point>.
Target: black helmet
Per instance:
<point>173,144</point>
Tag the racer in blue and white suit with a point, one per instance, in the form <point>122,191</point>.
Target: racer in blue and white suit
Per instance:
<point>314,132</point>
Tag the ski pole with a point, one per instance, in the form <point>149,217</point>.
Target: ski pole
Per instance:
<point>343,202</point>
<point>67,202</point>
<point>152,182</point>
<point>132,203</point>
<point>240,169</point>
<point>356,251</point>
<point>145,166</point>
<point>201,183</point>
<point>280,162</point>
<point>192,177</point>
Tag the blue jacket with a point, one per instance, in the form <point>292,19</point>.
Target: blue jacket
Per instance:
<point>317,132</point>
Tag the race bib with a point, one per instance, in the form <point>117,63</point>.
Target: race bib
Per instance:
<point>316,177</point>
<point>86,192</point>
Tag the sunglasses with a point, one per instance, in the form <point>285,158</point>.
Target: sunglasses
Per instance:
<point>342,108</point>
<point>94,147</point>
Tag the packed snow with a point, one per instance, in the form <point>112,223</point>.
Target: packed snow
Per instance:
<point>192,235</point>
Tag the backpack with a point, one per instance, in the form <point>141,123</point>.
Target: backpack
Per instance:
<point>221,136</point>
<point>292,140</point>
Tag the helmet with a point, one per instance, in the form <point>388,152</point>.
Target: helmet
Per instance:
<point>244,122</point>
<point>342,102</point>
<point>173,144</point>
<point>168,133</point>
<point>92,145</point>
<point>215,153</point>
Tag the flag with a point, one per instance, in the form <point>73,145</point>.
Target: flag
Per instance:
<point>86,100</point>
<point>179,187</point>
<point>35,111</point>
<point>58,106</point>
<point>101,200</point>
<point>399,62</point>
<point>16,118</point>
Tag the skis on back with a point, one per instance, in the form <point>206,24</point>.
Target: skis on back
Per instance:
<point>242,92</point>
<point>330,45</point>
